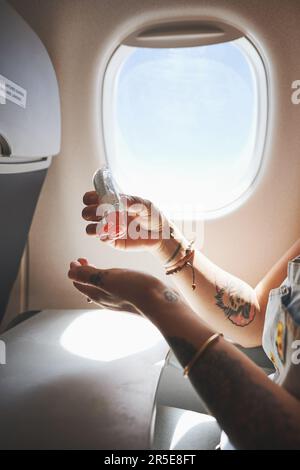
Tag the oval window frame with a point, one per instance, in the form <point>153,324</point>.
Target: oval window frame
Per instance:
<point>258,66</point>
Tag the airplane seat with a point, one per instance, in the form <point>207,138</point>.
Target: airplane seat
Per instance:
<point>180,429</point>
<point>29,137</point>
<point>20,318</point>
<point>183,422</point>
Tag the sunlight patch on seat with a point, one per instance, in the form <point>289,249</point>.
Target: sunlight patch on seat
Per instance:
<point>104,335</point>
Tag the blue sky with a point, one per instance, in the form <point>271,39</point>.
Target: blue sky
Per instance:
<point>184,118</point>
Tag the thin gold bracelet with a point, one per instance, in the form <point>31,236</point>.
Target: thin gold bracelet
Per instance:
<point>208,342</point>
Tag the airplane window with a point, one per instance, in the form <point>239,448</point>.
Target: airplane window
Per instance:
<point>185,127</point>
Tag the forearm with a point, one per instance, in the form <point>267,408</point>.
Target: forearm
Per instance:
<point>254,412</point>
<point>225,302</point>
<point>276,275</point>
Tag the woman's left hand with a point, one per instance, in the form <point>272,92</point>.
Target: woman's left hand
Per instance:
<point>115,289</point>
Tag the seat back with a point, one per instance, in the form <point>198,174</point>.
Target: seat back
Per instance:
<point>29,136</point>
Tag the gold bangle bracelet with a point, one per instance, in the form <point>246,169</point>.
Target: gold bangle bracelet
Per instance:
<point>208,342</point>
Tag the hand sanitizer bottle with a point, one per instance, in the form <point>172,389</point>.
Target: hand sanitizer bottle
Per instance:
<point>111,209</point>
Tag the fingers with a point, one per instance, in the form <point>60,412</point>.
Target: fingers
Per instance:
<point>80,262</point>
<point>74,264</point>
<point>102,299</point>
<point>94,229</point>
<point>96,295</point>
<point>91,229</point>
<point>90,197</point>
<point>85,274</point>
<point>92,293</point>
<point>107,281</point>
<point>90,213</point>
<point>135,205</point>
<point>84,262</point>
<point>89,291</point>
<point>100,231</point>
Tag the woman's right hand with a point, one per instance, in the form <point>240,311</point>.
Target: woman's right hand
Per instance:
<point>145,223</point>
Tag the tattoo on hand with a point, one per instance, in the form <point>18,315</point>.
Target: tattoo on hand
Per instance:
<point>97,279</point>
<point>236,309</point>
<point>171,296</point>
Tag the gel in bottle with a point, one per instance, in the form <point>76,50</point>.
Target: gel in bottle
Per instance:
<point>111,209</point>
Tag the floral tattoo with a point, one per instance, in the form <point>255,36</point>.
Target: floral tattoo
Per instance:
<point>236,309</point>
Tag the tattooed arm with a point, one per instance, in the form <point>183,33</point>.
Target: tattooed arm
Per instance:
<point>226,303</point>
<point>255,412</point>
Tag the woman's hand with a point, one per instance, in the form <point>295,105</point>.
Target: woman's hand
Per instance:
<point>115,289</point>
<point>145,223</point>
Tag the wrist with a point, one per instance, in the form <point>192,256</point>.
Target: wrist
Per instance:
<point>170,313</point>
<point>172,245</point>
<point>147,294</point>
<point>159,302</point>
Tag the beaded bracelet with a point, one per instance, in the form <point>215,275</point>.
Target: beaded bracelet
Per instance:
<point>187,260</point>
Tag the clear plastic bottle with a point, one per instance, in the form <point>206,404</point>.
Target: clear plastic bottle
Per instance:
<point>111,209</point>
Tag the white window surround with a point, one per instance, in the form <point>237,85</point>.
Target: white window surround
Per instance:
<point>223,203</point>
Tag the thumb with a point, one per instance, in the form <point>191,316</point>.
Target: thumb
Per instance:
<point>89,291</point>
<point>136,205</point>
